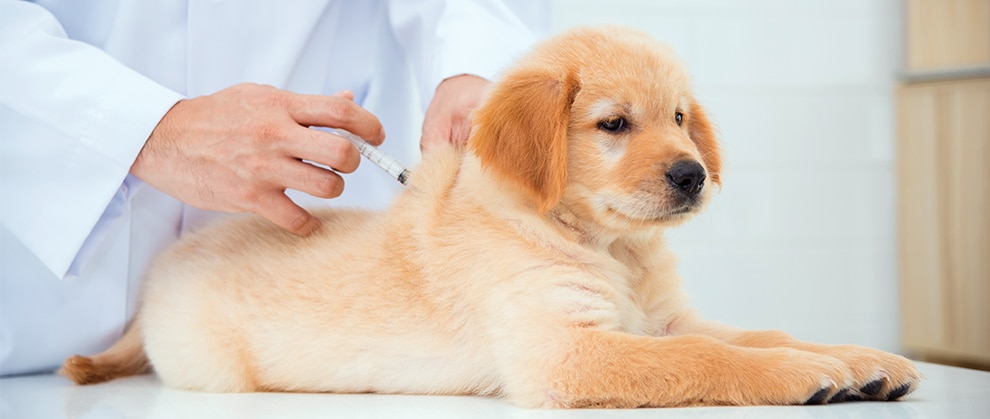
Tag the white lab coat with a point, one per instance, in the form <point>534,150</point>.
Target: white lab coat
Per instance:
<point>83,83</point>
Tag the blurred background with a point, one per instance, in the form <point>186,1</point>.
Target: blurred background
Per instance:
<point>856,133</point>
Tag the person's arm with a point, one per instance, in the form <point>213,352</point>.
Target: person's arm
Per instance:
<point>72,120</point>
<point>456,48</point>
<point>75,122</point>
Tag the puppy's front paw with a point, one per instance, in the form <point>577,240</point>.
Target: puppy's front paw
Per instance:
<point>878,375</point>
<point>790,376</point>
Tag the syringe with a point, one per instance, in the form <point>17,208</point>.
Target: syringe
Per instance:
<point>378,157</point>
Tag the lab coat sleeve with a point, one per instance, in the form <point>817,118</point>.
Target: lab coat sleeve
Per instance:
<point>443,39</point>
<point>72,121</point>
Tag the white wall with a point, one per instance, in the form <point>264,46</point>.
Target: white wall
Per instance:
<point>801,237</point>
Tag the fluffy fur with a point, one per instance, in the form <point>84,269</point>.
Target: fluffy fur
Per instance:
<point>530,266</point>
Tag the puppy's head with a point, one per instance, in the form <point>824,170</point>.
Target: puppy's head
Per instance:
<point>604,122</point>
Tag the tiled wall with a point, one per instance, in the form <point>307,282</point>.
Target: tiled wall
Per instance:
<point>801,237</point>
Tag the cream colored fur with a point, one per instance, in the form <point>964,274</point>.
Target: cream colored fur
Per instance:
<point>531,266</point>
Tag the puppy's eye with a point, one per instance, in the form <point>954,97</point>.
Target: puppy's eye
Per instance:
<point>679,117</point>
<point>614,124</point>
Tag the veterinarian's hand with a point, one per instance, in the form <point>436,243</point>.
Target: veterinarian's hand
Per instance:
<point>447,118</point>
<point>239,150</point>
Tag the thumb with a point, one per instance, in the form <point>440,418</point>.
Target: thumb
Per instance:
<point>346,94</point>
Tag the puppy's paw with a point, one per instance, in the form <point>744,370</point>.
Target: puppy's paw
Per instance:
<point>790,376</point>
<point>878,375</point>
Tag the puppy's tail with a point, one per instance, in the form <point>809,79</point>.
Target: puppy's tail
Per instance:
<point>126,357</point>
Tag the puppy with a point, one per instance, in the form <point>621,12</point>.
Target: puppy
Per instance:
<point>531,266</point>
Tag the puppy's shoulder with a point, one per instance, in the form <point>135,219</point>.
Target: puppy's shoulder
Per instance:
<point>437,172</point>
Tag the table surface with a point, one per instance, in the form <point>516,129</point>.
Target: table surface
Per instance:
<point>946,392</point>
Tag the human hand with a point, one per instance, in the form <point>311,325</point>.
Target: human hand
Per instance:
<point>239,149</point>
<point>447,119</point>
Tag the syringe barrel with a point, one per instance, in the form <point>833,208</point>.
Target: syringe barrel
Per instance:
<point>378,157</point>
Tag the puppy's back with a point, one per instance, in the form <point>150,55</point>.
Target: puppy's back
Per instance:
<point>242,305</point>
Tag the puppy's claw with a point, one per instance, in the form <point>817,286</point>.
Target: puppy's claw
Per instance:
<point>819,397</point>
<point>853,397</point>
<point>899,392</point>
<point>840,397</point>
<point>872,388</point>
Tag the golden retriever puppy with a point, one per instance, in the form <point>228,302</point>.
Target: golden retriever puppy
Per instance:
<point>530,266</point>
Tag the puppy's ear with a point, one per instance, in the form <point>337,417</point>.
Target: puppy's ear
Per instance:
<point>703,135</point>
<point>521,131</point>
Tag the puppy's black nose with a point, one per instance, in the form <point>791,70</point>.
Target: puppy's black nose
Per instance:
<point>687,176</point>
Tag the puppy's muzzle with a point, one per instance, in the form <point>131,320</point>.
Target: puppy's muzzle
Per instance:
<point>687,177</point>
